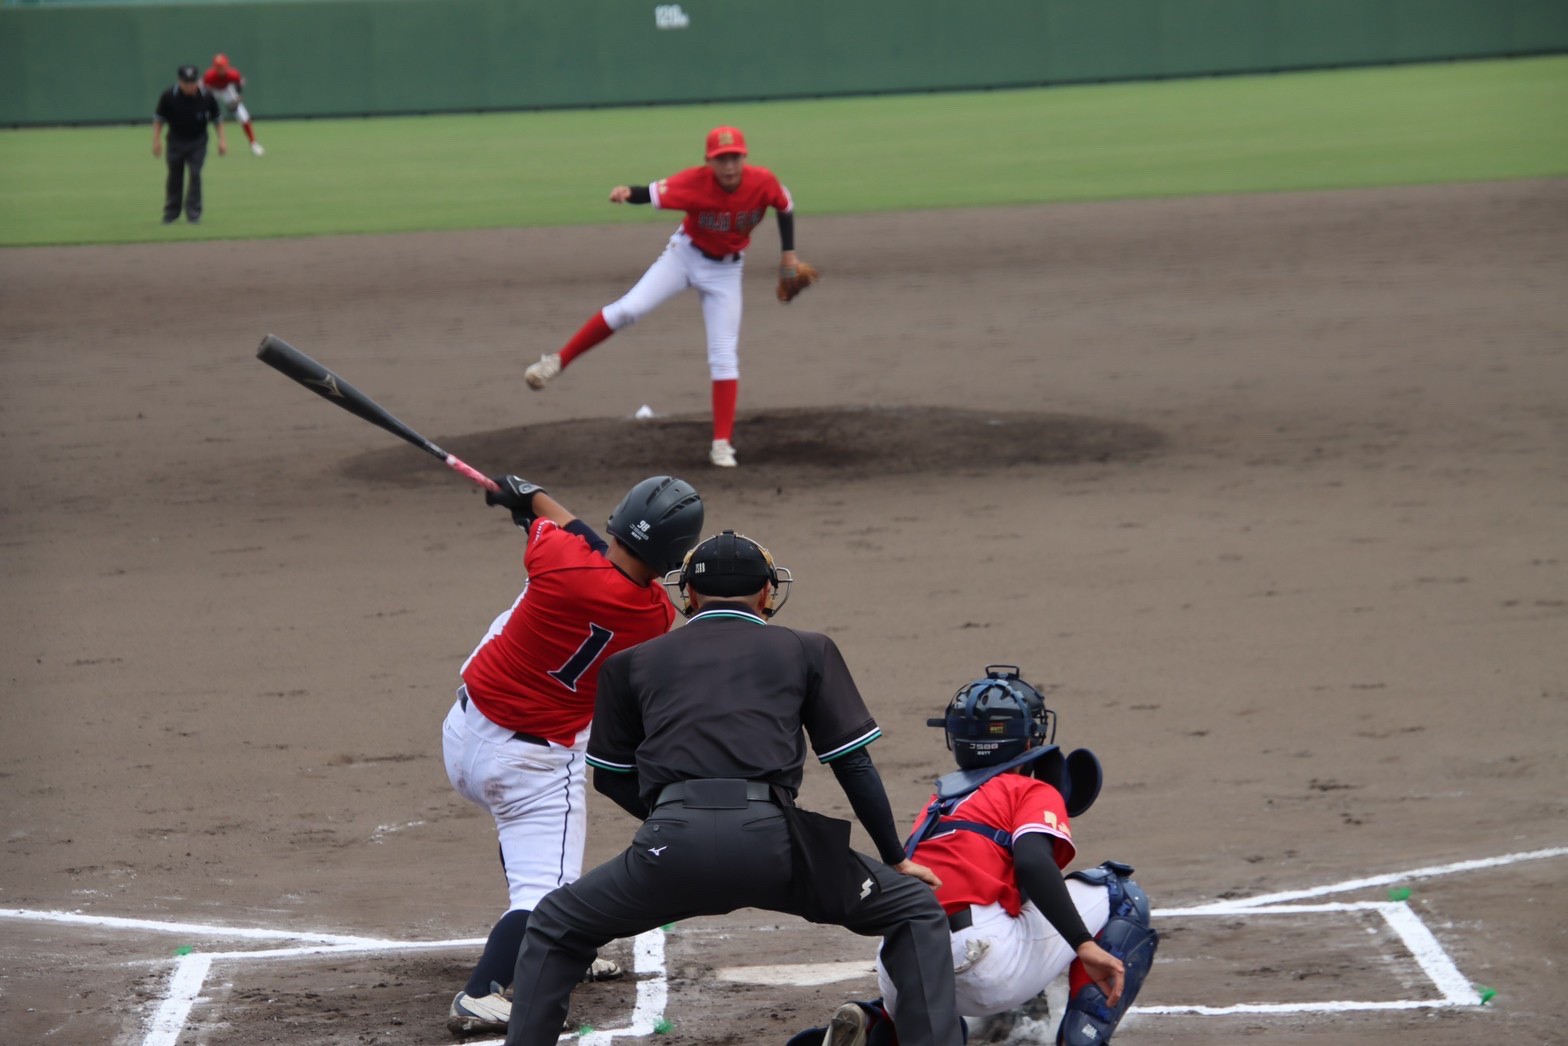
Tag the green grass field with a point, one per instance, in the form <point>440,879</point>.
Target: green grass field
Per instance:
<point>1325,130</point>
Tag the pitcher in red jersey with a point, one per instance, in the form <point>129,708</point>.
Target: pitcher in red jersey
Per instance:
<point>724,200</point>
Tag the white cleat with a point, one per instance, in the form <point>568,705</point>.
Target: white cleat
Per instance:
<point>539,374</point>
<point>603,970</point>
<point>722,454</point>
<point>469,1015</point>
<point>257,150</point>
<point>848,1027</point>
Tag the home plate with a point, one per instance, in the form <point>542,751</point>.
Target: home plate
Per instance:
<point>799,974</point>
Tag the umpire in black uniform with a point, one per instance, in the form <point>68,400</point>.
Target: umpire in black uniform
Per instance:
<point>187,108</point>
<point>699,732</point>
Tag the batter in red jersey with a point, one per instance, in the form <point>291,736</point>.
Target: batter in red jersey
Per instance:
<point>515,738</point>
<point>225,83</point>
<point>724,201</point>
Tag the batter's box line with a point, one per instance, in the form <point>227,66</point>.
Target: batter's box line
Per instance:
<point>191,971</point>
<point>1455,989</point>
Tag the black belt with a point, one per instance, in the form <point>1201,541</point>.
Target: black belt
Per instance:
<point>462,699</point>
<point>722,788</point>
<point>716,257</point>
<point>962,919</point>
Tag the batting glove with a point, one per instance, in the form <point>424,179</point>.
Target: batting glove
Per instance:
<point>517,495</point>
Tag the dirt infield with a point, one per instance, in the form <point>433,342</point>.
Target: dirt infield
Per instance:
<point>1273,490</point>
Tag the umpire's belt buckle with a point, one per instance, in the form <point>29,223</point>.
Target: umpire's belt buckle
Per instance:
<point>714,793</point>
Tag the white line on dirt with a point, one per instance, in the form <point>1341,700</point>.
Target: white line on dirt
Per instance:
<point>1376,880</point>
<point>184,986</point>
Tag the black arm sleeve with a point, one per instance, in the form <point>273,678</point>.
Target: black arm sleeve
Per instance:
<point>1042,883</point>
<point>588,534</point>
<point>640,194</point>
<point>786,230</point>
<point>624,789</point>
<point>858,776</point>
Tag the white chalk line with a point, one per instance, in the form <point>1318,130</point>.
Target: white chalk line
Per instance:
<point>191,970</point>
<point>1351,885</point>
<point>184,988</point>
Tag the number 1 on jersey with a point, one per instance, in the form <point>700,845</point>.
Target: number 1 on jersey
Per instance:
<point>598,638</point>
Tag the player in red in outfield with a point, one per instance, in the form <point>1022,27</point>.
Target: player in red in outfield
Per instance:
<point>724,201</point>
<point>225,83</point>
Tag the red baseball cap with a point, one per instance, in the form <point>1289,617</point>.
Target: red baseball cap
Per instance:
<point>722,140</point>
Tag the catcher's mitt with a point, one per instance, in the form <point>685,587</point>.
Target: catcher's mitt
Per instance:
<point>795,278</point>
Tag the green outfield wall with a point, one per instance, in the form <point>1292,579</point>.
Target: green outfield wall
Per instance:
<point>63,63</point>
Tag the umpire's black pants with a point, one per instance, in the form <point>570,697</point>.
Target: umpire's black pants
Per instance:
<point>686,862</point>
<point>183,154</point>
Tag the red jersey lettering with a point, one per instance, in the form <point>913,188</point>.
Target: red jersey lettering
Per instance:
<point>537,670</point>
<point>721,222</point>
<point>975,870</point>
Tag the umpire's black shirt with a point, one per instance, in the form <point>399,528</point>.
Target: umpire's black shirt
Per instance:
<point>726,696</point>
<point>187,115</point>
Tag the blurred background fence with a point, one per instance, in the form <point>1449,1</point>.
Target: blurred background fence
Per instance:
<point>91,61</point>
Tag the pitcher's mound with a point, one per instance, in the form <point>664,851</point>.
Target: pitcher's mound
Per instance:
<point>845,444</point>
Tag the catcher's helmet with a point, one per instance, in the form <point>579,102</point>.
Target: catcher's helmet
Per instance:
<point>729,565</point>
<point>994,719</point>
<point>658,520</point>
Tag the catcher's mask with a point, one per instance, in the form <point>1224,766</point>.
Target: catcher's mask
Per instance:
<point>994,719</point>
<point>658,520</point>
<point>728,566</point>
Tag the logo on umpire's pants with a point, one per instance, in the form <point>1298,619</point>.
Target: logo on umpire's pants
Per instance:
<point>865,889</point>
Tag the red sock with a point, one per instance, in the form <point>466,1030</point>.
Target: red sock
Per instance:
<point>249,133</point>
<point>592,333</point>
<point>724,396</point>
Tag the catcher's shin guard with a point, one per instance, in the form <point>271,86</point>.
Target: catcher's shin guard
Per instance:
<point>1126,935</point>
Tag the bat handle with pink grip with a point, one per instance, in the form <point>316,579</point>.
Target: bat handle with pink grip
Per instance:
<point>458,465</point>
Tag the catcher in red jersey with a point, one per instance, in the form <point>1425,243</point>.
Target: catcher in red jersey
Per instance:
<point>997,833</point>
<point>724,201</point>
<point>515,738</point>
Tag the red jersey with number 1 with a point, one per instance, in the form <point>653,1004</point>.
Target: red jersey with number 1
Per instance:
<point>537,670</point>
<point>975,870</point>
<point>717,221</point>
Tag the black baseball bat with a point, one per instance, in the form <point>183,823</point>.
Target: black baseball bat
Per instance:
<point>281,356</point>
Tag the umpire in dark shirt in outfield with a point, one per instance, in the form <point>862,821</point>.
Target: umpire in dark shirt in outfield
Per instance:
<point>187,108</point>
<point>699,732</point>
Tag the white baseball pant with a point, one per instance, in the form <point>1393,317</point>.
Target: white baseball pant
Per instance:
<point>229,98</point>
<point>718,286</point>
<point>1002,961</point>
<point>536,794</point>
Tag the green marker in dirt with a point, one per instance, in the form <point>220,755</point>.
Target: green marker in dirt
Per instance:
<point>662,1027</point>
<point>184,949</point>
<point>1486,993</point>
<point>1399,893</point>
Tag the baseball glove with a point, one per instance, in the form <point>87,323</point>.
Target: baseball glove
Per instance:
<point>795,278</point>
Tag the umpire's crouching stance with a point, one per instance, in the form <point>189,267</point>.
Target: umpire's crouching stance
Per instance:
<point>699,733</point>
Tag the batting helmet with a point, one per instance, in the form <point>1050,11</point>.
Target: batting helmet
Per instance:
<point>658,520</point>
<point>994,719</point>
